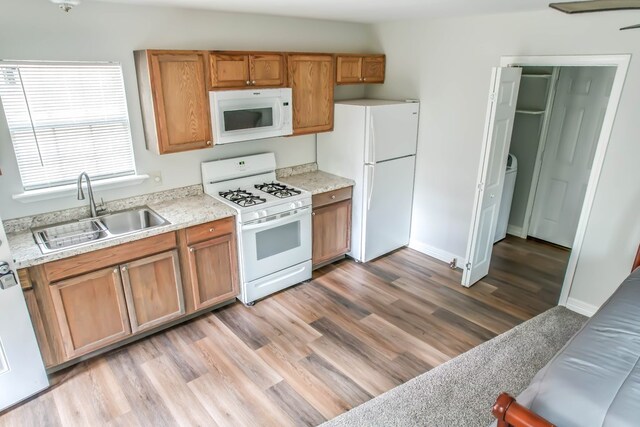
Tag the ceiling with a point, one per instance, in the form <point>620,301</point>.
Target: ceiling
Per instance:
<point>366,11</point>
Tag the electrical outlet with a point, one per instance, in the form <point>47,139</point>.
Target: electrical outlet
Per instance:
<point>156,177</point>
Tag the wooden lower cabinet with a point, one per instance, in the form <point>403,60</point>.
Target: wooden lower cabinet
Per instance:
<point>91,311</point>
<point>94,301</point>
<point>153,290</point>
<point>331,225</point>
<point>212,264</point>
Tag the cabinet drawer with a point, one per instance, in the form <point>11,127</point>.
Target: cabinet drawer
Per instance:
<point>210,230</point>
<point>331,197</point>
<point>95,260</point>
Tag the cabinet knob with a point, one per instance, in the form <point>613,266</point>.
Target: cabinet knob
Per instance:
<point>253,82</point>
<point>208,142</point>
<point>248,82</point>
<point>360,78</point>
<point>115,270</point>
<point>333,196</point>
<point>211,230</point>
<point>365,79</point>
<point>191,250</point>
<point>313,214</point>
<point>123,268</point>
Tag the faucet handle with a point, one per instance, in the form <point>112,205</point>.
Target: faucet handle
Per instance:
<point>101,208</point>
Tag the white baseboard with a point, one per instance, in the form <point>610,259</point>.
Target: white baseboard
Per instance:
<point>581,307</point>
<point>514,230</point>
<point>436,253</point>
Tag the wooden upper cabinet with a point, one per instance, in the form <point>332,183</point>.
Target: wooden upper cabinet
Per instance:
<point>153,290</point>
<point>311,78</point>
<point>360,69</point>
<point>91,311</point>
<point>174,99</point>
<point>239,70</point>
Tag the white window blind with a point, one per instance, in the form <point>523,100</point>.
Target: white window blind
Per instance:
<point>65,119</point>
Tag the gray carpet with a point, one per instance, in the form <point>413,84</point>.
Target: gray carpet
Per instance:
<point>462,391</point>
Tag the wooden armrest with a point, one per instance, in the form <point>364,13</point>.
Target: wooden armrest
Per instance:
<point>511,414</point>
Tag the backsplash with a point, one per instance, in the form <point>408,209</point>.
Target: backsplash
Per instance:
<point>296,170</point>
<point>27,222</point>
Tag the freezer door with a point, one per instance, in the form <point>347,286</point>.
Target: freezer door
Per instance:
<point>387,207</point>
<point>21,369</point>
<point>392,132</point>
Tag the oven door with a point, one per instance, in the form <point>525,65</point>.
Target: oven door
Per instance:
<point>274,243</point>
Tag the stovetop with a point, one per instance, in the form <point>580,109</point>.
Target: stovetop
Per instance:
<point>247,198</point>
<point>249,185</point>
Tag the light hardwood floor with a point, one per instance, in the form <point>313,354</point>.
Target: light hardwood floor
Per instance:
<point>308,353</point>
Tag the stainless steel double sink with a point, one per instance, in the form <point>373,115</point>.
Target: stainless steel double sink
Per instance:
<point>85,231</point>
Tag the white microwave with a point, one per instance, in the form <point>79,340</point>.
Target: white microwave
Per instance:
<point>247,114</point>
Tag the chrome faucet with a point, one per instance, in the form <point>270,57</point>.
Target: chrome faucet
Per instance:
<point>92,202</point>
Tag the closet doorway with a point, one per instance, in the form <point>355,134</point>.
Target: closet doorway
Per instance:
<point>559,117</point>
<point>559,130</point>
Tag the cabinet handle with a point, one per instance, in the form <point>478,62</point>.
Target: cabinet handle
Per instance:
<point>191,250</point>
<point>360,78</point>
<point>115,270</point>
<point>208,142</point>
<point>313,214</point>
<point>211,230</point>
<point>365,79</point>
<point>253,82</point>
<point>333,197</point>
<point>123,268</point>
<point>248,82</point>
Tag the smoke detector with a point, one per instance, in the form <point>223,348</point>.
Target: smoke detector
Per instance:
<point>66,5</point>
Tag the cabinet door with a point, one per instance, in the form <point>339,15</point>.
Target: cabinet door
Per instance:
<point>213,269</point>
<point>373,69</point>
<point>267,70</point>
<point>311,78</point>
<point>349,69</point>
<point>181,100</point>
<point>90,310</point>
<point>153,290</point>
<point>331,231</point>
<point>229,71</point>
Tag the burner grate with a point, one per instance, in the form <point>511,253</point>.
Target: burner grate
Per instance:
<point>278,190</point>
<point>242,198</point>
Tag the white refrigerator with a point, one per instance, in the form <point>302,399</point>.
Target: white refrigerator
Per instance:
<point>374,143</point>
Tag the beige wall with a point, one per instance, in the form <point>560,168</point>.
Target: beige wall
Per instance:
<point>37,30</point>
<point>447,64</point>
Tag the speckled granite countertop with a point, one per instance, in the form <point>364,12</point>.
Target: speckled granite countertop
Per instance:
<point>318,181</point>
<point>181,213</point>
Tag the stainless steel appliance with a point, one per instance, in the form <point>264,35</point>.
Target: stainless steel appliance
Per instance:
<point>248,114</point>
<point>376,141</point>
<point>273,223</point>
<point>22,372</point>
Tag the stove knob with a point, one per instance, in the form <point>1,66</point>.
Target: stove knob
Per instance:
<point>299,203</point>
<point>263,213</point>
<point>292,205</point>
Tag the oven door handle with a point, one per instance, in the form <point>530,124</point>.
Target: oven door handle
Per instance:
<point>282,220</point>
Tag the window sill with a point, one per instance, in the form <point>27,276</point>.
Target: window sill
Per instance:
<point>71,189</point>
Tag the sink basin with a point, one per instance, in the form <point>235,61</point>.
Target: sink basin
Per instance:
<point>70,234</point>
<point>78,233</point>
<point>134,220</point>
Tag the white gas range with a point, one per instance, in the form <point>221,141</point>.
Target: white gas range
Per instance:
<point>273,223</point>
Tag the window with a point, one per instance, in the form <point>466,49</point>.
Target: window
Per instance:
<point>66,118</point>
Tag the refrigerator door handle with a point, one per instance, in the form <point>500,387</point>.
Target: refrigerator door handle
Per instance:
<point>370,186</point>
<point>372,149</point>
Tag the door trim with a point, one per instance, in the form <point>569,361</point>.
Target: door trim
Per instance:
<point>621,62</point>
